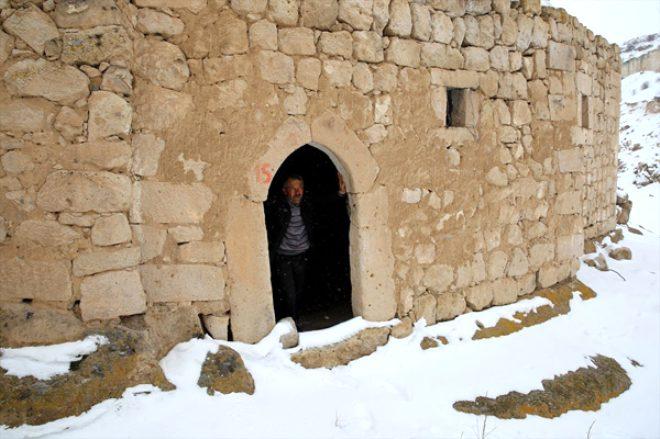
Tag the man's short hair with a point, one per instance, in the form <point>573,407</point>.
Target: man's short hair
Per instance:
<point>293,177</point>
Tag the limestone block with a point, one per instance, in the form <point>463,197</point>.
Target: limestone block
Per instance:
<point>109,115</point>
<point>357,13</point>
<point>381,14</point>
<point>363,79</point>
<point>368,46</point>
<point>150,240</point>
<point>47,233</point>
<point>570,247</point>
<point>548,275</point>
<point>245,7</point>
<point>531,6</point>
<point>497,177</point>
<point>479,296</point>
<point>111,230</point>
<point>520,113</point>
<point>16,162</point>
<point>113,294</point>
<point>308,72</point>
<point>76,191</point>
<point>540,33</point>
<point>336,43</point>
<point>525,28</point>
<point>509,34</point>
<point>182,283</point>
<point>421,21</point>
<point>561,56</point>
<point>194,6</point>
<point>459,30</point>
<point>512,86</point>
<point>319,14</point>
<point>375,134</point>
<point>150,21</point>
<point>162,63</point>
<point>93,46</point>
<point>251,295</point>
<point>453,8</point>
<point>568,203</point>
<point>400,23</point>
<point>372,269</point>
<point>455,78</point>
<point>442,28</point>
<point>296,102</point>
<point>505,291</point>
<point>424,307</point>
<point>31,25</point>
<point>182,234</point>
<point>6,46</point>
<point>41,78</point>
<point>275,67</point>
<point>69,123</point>
<point>478,7</point>
<point>499,58</point>
<point>32,279</point>
<point>476,58</point>
<point>162,202</point>
<point>234,36</point>
<point>439,104</point>
<point>201,252</point>
<point>562,108</point>
<point>263,35</point>
<point>158,108</point>
<point>526,284</point>
<point>440,55</point>
<point>369,209</point>
<point>117,80</point>
<point>338,73</point>
<point>584,83</point>
<point>383,112</point>
<point>449,305</point>
<point>497,262</point>
<point>283,12</point>
<point>147,150</point>
<point>227,94</point>
<point>385,77</point>
<point>77,219</point>
<point>217,326</point>
<point>479,31</point>
<point>519,264</point>
<point>404,52</point>
<point>570,160</point>
<point>101,154</point>
<point>438,277</point>
<point>92,262</point>
<point>23,116</point>
<point>425,253</point>
<point>502,7</point>
<point>297,41</point>
<point>488,83</point>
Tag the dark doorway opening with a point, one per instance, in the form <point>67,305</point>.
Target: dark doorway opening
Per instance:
<point>326,298</point>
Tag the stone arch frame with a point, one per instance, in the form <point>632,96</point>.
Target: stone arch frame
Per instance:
<point>371,259</point>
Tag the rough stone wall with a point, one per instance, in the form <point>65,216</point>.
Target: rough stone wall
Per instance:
<point>129,130</point>
<point>649,61</point>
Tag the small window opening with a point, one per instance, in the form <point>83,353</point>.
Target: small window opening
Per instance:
<point>585,112</point>
<point>455,107</point>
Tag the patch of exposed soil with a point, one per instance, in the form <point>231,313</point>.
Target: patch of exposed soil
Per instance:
<point>584,389</point>
<point>560,295</point>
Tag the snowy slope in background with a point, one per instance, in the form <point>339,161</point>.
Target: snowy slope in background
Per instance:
<point>639,46</point>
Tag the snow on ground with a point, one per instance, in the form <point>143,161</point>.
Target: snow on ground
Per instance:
<point>45,362</point>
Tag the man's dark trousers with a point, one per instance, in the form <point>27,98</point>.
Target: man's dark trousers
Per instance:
<point>290,274</point>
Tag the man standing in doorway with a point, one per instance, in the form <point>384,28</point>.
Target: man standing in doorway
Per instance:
<point>291,235</point>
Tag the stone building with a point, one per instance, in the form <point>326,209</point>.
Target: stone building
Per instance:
<point>478,140</point>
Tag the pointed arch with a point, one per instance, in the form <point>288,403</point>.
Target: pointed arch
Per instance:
<point>371,259</point>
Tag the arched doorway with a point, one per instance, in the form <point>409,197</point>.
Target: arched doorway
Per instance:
<point>326,299</point>
<point>370,246</point>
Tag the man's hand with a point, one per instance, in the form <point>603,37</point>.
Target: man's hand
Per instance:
<point>341,183</point>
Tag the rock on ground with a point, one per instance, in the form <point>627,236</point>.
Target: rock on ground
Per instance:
<point>225,372</point>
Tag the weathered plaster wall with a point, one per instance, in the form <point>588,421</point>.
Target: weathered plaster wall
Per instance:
<point>138,141</point>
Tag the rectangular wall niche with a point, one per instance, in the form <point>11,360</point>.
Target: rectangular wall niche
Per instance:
<point>583,112</point>
<point>456,107</point>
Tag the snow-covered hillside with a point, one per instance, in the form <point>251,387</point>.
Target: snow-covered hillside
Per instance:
<point>639,46</point>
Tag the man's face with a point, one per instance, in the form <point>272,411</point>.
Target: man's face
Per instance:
<point>293,189</point>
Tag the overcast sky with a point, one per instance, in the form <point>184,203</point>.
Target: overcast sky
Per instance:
<point>616,20</point>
